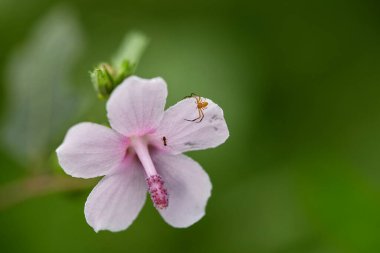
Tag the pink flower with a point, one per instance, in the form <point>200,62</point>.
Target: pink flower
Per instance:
<point>134,158</point>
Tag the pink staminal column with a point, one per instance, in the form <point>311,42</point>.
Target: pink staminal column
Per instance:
<point>156,185</point>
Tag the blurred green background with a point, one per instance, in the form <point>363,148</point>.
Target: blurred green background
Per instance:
<point>299,85</point>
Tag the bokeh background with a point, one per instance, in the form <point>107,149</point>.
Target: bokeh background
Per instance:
<point>299,82</point>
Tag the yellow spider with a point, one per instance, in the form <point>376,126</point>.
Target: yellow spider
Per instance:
<point>201,105</point>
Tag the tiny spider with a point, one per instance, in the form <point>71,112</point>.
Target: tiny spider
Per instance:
<point>201,105</point>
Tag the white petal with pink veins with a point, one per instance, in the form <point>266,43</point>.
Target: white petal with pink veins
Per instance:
<point>182,135</point>
<point>117,199</point>
<point>188,187</point>
<point>136,106</point>
<point>91,150</point>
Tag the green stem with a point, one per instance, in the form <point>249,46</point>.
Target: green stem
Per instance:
<point>39,185</point>
<point>131,49</point>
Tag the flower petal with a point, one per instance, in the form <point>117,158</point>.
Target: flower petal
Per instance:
<point>91,150</point>
<point>182,135</point>
<point>136,106</point>
<point>188,186</point>
<point>117,199</point>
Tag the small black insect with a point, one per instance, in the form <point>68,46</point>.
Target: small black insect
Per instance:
<point>164,140</point>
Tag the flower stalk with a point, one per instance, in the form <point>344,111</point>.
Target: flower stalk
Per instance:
<point>35,186</point>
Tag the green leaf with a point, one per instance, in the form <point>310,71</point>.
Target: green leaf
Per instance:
<point>42,100</point>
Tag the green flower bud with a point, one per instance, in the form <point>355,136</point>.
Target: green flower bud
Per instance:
<point>126,69</point>
<point>106,77</point>
<point>103,80</point>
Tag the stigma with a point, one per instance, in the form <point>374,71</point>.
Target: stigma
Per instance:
<point>158,192</point>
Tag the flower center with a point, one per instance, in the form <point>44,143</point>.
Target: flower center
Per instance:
<point>156,187</point>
